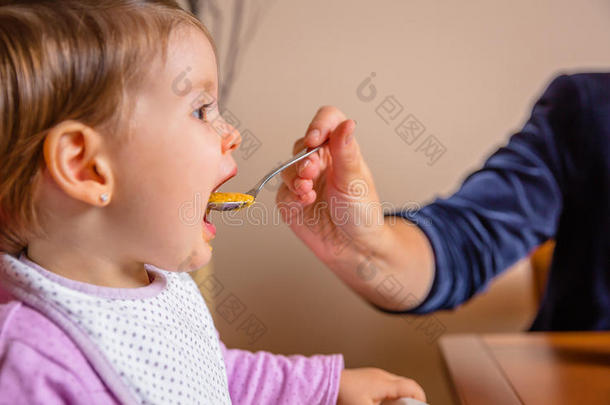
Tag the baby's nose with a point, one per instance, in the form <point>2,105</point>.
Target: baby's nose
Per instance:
<point>231,138</point>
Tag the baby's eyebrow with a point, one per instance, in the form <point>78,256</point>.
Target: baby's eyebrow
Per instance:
<point>207,85</point>
<point>205,90</point>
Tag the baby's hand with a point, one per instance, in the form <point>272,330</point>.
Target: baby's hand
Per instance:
<point>370,386</point>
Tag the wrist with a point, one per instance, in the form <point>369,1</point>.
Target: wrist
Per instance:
<point>405,261</point>
<point>362,263</point>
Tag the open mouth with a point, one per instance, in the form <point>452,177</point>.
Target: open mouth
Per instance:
<point>209,227</point>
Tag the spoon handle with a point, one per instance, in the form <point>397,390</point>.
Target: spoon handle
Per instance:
<point>281,167</point>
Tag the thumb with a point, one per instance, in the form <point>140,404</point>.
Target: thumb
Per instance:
<point>345,152</point>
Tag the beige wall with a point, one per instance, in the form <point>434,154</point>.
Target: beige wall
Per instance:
<point>469,71</point>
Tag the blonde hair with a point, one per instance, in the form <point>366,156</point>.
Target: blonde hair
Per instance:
<point>68,60</point>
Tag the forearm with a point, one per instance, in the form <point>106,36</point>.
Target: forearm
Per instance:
<point>266,378</point>
<point>400,257</point>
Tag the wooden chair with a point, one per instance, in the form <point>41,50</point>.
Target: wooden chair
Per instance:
<point>540,262</point>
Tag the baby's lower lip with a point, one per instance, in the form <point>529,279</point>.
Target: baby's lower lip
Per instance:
<point>210,228</point>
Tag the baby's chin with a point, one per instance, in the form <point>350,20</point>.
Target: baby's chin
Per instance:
<point>196,259</point>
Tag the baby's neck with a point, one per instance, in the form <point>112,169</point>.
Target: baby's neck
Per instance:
<point>95,271</point>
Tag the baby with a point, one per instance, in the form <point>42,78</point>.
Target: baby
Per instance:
<point>109,124</point>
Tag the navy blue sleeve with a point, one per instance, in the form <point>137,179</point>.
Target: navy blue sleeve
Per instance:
<point>505,209</point>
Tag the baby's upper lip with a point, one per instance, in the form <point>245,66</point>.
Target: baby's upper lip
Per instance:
<point>231,175</point>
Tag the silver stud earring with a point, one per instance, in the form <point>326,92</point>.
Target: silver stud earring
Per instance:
<point>104,197</point>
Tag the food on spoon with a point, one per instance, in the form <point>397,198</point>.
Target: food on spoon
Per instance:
<point>220,198</point>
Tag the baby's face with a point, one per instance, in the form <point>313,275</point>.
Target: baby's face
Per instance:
<point>180,153</point>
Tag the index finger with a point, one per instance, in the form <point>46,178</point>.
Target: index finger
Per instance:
<point>323,123</point>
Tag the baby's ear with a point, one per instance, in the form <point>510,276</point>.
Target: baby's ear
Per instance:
<point>74,159</point>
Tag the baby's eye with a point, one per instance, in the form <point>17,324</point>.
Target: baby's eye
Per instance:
<point>202,112</point>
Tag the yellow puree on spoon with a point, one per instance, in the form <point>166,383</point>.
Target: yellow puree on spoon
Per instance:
<point>247,199</point>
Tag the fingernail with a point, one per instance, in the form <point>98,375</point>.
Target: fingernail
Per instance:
<point>349,138</point>
<point>304,165</point>
<point>313,135</point>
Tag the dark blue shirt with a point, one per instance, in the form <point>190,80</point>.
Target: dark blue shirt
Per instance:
<point>552,180</point>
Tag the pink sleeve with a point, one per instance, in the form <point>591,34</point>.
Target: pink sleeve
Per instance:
<point>29,377</point>
<point>39,363</point>
<point>266,378</point>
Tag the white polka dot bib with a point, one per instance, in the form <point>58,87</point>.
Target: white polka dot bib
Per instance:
<point>151,345</point>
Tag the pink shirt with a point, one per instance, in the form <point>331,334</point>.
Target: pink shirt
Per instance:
<point>42,364</point>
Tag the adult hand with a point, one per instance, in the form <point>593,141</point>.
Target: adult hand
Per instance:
<point>330,202</point>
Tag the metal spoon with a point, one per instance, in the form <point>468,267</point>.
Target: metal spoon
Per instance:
<point>234,205</point>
